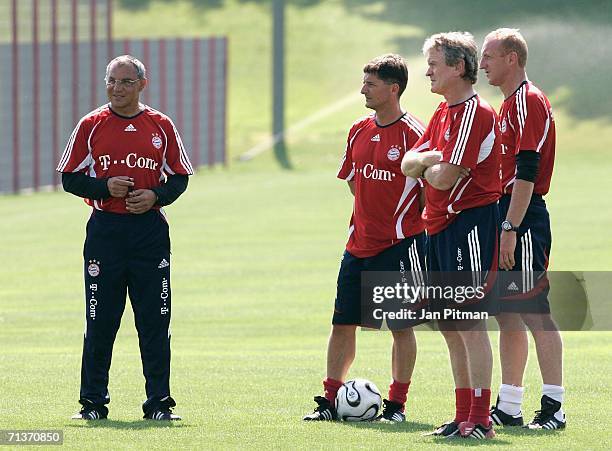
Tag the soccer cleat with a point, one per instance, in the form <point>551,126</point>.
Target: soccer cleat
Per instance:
<point>547,417</point>
<point>448,430</point>
<point>159,409</point>
<point>501,418</point>
<point>324,411</point>
<point>91,412</point>
<point>392,413</point>
<point>477,431</point>
<point>162,415</point>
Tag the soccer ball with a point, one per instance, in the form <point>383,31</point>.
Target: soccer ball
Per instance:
<point>358,400</point>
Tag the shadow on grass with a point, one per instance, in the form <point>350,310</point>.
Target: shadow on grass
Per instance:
<point>211,4</point>
<point>466,442</point>
<point>132,424</point>
<point>442,15</point>
<point>522,432</point>
<point>503,437</point>
<point>408,426</point>
<point>570,41</point>
<point>570,47</point>
<point>425,428</point>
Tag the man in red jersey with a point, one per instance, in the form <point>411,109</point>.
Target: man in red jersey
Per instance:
<point>127,160</point>
<point>385,233</point>
<point>528,151</point>
<point>458,156</point>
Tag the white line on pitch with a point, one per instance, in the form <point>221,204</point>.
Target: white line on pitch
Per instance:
<point>315,117</point>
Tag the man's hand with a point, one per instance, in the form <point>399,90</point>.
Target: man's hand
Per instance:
<point>415,163</point>
<point>120,185</point>
<point>431,157</point>
<point>140,201</point>
<point>464,172</point>
<point>443,176</point>
<point>506,250</point>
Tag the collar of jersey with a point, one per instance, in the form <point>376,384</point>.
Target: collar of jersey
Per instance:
<point>524,82</point>
<point>389,125</point>
<point>124,117</point>
<point>461,103</point>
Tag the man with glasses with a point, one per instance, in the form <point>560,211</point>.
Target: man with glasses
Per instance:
<point>127,161</point>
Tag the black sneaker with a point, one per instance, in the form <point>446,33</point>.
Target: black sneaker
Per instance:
<point>162,415</point>
<point>91,412</point>
<point>392,412</point>
<point>546,418</point>
<point>449,429</point>
<point>477,431</point>
<point>501,418</point>
<point>159,409</point>
<point>324,411</point>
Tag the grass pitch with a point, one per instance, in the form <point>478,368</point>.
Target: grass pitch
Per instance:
<point>256,250</point>
<point>255,257</point>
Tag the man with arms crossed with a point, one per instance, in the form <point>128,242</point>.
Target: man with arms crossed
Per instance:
<point>386,230</point>
<point>528,151</point>
<point>458,156</point>
<point>127,160</point>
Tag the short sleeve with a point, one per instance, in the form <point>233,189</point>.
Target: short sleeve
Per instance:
<point>423,143</point>
<point>533,120</point>
<point>176,160</point>
<point>415,131</point>
<point>76,156</point>
<point>466,135</point>
<point>346,170</point>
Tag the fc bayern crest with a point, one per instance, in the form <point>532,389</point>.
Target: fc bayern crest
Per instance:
<point>94,268</point>
<point>156,141</point>
<point>393,153</point>
<point>447,134</point>
<point>503,126</point>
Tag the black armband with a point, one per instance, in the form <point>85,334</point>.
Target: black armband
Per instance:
<point>170,191</point>
<point>85,186</point>
<point>527,165</point>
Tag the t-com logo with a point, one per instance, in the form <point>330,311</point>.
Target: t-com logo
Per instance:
<point>131,161</point>
<point>370,172</point>
<point>164,296</point>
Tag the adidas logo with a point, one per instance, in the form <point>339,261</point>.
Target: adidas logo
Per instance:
<point>163,264</point>
<point>376,138</point>
<point>513,287</point>
<point>129,128</point>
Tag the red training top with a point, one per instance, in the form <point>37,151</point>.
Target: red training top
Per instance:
<point>386,208</point>
<point>527,123</point>
<point>467,136</point>
<point>146,147</point>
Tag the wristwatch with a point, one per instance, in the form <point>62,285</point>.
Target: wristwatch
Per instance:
<point>508,227</point>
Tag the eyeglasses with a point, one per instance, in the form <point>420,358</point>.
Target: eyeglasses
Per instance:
<point>125,82</point>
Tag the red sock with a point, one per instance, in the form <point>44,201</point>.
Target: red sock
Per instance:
<point>398,392</point>
<point>479,412</point>
<point>463,401</point>
<point>331,387</point>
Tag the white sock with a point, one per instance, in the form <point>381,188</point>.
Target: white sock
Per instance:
<point>510,399</point>
<point>555,392</point>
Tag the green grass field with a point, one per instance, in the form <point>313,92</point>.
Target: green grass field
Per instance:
<point>252,300</point>
<point>256,251</point>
